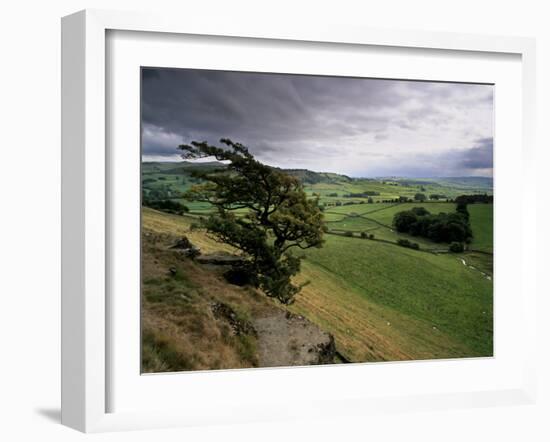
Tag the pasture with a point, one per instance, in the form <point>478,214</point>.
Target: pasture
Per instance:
<point>424,305</point>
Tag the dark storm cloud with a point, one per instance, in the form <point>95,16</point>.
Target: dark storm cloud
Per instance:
<point>476,160</point>
<point>214,104</point>
<point>480,156</point>
<point>303,121</point>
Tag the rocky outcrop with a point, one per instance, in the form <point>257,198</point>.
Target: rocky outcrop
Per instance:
<point>186,248</point>
<point>286,339</point>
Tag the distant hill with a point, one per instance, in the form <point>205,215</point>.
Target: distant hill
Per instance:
<point>309,177</point>
<point>185,167</point>
<point>468,181</point>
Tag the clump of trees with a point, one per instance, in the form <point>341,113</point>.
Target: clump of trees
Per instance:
<point>366,235</point>
<point>473,199</point>
<point>163,192</point>
<point>167,206</point>
<point>278,217</point>
<point>456,247</point>
<point>443,227</point>
<point>364,194</point>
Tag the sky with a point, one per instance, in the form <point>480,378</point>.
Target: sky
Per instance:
<point>354,126</point>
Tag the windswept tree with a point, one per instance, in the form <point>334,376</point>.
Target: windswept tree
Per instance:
<point>261,211</point>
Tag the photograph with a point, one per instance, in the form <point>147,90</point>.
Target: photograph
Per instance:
<point>300,219</point>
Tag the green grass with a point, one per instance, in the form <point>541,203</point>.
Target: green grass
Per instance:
<point>436,289</point>
<point>378,218</point>
<point>354,224</point>
<point>386,216</point>
<point>481,220</point>
<point>356,208</point>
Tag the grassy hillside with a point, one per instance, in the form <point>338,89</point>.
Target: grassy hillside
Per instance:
<point>179,329</point>
<point>379,300</point>
<point>435,306</point>
<point>192,319</point>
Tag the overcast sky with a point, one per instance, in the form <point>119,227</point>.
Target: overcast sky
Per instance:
<point>354,126</point>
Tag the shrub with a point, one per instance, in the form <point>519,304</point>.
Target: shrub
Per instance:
<point>371,236</point>
<point>364,194</point>
<point>348,233</point>
<point>472,199</point>
<point>409,244</point>
<point>456,247</point>
<point>420,211</point>
<point>364,235</point>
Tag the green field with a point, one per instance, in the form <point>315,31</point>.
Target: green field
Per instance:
<point>481,218</point>
<point>386,216</point>
<point>396,187</point>
<point>381,301</point>
<point>377,219</point>
<point>436,290</point>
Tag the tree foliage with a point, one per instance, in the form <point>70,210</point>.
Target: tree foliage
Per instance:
<point>443,227</point>
<point>261,211</point>
<point>409,244</point>
<point>168,206</point>
<point>456,247</point>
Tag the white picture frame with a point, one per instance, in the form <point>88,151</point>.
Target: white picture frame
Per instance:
<point>85,210</point>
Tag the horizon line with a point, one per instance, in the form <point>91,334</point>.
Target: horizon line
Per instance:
<point>336,173</point>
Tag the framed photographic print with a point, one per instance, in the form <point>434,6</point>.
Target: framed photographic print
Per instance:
<point>290,222</point>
